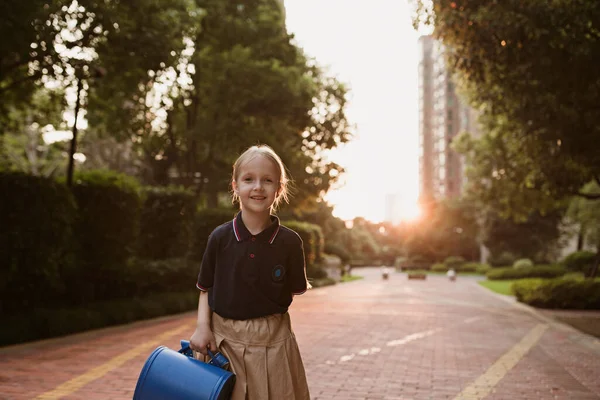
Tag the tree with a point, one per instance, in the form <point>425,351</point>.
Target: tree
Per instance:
<point>449,229</point>
<point>68,44</point>
<point>252,85</point>
<point>22,144</point>
<point>527,63</point>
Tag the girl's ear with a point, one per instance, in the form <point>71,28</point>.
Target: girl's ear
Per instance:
<point>234,186</point>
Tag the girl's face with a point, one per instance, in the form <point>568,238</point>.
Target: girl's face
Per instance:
<point>257,185</point>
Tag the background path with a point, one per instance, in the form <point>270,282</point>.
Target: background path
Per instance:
<point>367,339</point>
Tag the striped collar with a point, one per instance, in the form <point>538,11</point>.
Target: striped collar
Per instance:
<point>242,233</point>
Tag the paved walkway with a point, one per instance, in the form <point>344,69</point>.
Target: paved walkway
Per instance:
<point>368,339</point>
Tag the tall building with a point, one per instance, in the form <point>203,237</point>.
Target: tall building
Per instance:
<point>442,116</point>
<point>426,164</point>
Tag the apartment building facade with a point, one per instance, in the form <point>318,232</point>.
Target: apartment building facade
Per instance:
<point>442,116</point>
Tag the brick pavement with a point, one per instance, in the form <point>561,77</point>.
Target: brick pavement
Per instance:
<point>368,339</point>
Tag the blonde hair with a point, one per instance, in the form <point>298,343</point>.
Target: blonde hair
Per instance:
<point>269,153</point>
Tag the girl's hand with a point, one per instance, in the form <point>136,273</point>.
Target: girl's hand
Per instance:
<point>202,339</point>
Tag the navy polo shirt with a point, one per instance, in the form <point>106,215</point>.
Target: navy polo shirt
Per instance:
<point>250,276</point>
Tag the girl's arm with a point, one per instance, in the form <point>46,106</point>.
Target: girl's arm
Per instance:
<point>203,336</point>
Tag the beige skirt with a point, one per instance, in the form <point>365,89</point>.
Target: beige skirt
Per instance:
<point>264,356</point>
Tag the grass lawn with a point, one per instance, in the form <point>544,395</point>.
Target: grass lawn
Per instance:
<point>502,287</point>
<point>350,278</point>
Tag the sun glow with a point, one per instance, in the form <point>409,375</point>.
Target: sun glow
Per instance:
<point>374,50</point>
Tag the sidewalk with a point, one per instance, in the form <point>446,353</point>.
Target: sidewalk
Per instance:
<point>367,339</point>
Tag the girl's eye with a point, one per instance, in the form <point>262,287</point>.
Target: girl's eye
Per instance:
<point>247,179</point>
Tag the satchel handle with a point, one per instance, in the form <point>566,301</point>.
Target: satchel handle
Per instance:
<point>186,350</point>
<point>218,359</point>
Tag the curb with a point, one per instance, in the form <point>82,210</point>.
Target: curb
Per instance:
<point>580,337</point>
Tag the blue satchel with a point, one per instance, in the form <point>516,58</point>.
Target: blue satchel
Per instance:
<point>177,375</point>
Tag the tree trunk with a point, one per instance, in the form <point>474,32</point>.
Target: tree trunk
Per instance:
<point>596,264</point>
<point>73,147</point>
<point>580,237</point>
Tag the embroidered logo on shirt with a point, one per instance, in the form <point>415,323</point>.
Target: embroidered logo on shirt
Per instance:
<point>278,273</point>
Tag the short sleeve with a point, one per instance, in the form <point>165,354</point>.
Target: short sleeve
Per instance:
<point>207,268</point>
<point>298,268</point>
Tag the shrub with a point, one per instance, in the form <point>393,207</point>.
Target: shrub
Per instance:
<point>541,271</point>
<point>559,293</point>
<point>314,271</point>
<point>580,261</point>
<point>482,269</point>
<point>503,259</point>
<point>106,229</point>
<point>36,218</point>
<point>166,223</point>
<point>335,249</point>
<point>469,267</point>
<point>309,237</point>
<point>439,267</point>
<point>523,263</point>
<point>145,277</point>
<point>319,242</point>
<point>44,323</point>
<point>205,222</point>
<point>454,262</point>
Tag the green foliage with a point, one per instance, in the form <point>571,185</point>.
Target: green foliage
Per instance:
<point>107,230</point>
<point>144,277</point>
<point>253,85</point>
<point>42,323</point>
<point>505,60</point>
<point>22,145</point>
<point>536,237</point>
<point>587,214</point>
<point>454,262</point>
<point>472,267</point>
<point>580,261</point>
<point>523,263</point>
<point>166,223</point>
<point>36,239</point>
<point>448,229</point>
<point>559,293</point>
<point>439,267</point>
<point>206,221</point>
<point>538,271</point>
<point>503,259</point>
<point>308,234</point>
<point>341,252</point>
<point>481,269</point>
<point>501,287</point>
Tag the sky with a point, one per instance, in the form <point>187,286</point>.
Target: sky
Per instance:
<point>372,48</point>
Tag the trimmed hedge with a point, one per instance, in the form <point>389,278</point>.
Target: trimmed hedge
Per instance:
<point>523,263</point>
<point>461,267</point>
<point>107,229</point>
<point>340,251</point>
<point>166,223</point>
<point>205,222</point>
<point>580,261</point>
<point>145,277</point>
<point>454,262</point>
<point>44,323</point>
<point>439,267</point>
<point>310,237</point>
<point>540,271</point>
<point>36,217</point>
<point>559,293</point>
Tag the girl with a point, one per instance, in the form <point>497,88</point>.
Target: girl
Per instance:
<point>251,269</point>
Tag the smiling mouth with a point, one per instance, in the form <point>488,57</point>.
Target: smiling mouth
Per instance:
<point>258,197</point>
